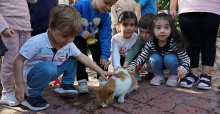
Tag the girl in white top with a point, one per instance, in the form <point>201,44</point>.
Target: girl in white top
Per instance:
<point>123,41</point>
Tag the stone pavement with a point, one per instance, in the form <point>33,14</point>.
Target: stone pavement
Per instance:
<point>147,99</point>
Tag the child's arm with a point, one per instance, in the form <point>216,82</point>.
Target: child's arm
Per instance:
<point>184,63</point>
<point>173,5</point>
<point>20,86</point>
<point>133,52</point>
<point>115,54</point>
<point>89,63</point>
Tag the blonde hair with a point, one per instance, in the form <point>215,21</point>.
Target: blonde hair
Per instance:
<point>63,16</point>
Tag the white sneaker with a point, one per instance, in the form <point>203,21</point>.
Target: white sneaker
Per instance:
<point>157,80</point>
<point>9,99</point>
<point>82,86</point>
<point>172,81</point>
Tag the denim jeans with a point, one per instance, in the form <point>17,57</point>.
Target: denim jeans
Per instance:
<point>43,73</point>
<point>169,61</point>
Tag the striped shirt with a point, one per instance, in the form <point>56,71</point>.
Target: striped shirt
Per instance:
<point>151,46</point>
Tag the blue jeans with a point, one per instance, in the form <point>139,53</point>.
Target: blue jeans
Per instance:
<point>169,61</point>
<point>43,73</point>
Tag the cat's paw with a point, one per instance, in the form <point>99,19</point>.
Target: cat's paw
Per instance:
<point>121,100</point>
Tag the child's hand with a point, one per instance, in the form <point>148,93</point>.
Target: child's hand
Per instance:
<point>106,74</point>
<point>104,63</point>
<point>181,72</point>
<point>131,69</point>
<point>8,32</point>
<point>21,91</point>
<point>86,34</point>
<point>125,64</point>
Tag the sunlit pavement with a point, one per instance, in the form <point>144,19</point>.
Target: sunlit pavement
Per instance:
<point>147,99</point>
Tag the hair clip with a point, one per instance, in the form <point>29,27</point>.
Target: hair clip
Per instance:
<point>162,11</point>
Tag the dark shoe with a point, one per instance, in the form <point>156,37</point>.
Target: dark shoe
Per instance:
<point>189,80</point>
<point>149,76</point>
<point>67,90</point>
<point>204,82</point>
<point>35,103</point>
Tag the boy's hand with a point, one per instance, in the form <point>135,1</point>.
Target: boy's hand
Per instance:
<point>8,32</point>
<point>106,74</point>
<point>21,91</point>
<point>104,63</point>
<point>131,69</point>
<point>86,34</point>
<point>181,72</point>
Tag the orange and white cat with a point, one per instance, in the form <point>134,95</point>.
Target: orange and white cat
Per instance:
<point>119,85</point>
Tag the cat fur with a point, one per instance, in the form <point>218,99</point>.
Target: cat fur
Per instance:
<point>119,85</point>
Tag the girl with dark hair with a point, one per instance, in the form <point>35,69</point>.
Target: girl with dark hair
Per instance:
<point>168,52</point>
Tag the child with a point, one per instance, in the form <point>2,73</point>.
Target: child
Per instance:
<point>48,55</point>
<point>144,25</point>
<point>145,6</point>
<point>15,29</point>
<point>117,9</point>
<point>96,24</point>
<point>123,41</point>
<point>168,51</point>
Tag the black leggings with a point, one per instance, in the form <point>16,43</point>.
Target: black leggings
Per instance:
<point>95,50</point>
<point>200,30</point>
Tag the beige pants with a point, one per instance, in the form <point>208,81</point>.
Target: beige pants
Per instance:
<point>13,44</point>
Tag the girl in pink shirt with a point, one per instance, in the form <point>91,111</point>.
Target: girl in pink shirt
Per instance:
<point>15,29</point>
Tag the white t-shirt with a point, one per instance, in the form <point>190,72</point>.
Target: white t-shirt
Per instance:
<point>38,49</point>
<point>121,46</point>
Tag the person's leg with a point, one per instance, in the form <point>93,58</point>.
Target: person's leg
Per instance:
<point>209,28</point>
<point>13,44</point>
<point>82,75</point>
<point>96,54</point>
<point>171,62</point>
<point>81,44</point>
<point>190,27</point>
<point>38,79</point>
<point>156,61</point>
<point>68,69</point>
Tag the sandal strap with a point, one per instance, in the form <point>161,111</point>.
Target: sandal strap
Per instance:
<point>189,75</point>
<point>206,76</point>
<point>206,79</point>
<point>205,82</point>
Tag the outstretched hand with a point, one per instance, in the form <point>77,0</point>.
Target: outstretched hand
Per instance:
<point>106,74</point>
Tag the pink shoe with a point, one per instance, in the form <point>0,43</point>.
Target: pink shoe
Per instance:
<point>157,80</point>
<point>172,81</point>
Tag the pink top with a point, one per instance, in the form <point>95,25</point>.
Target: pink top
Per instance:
<point>15,14</point>
<point>211,6</point>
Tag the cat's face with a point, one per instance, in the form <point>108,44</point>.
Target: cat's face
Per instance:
<point>104,95</point>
